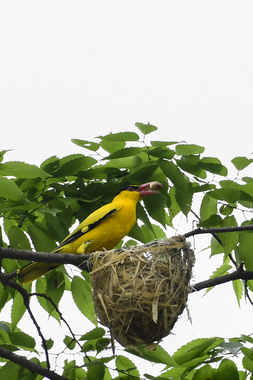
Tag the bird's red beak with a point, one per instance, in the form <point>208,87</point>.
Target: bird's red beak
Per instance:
<point>149,188</point>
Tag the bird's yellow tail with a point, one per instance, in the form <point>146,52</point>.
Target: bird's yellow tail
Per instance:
<point>33,271</point>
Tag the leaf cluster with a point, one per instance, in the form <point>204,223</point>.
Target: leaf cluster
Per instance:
<point>40,204</point>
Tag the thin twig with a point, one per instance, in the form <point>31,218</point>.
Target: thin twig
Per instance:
<point>199,231</point>
<point>28,364</point>
<point>6,281</point>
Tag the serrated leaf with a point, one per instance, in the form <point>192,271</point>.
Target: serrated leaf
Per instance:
<point>246,248</point>
<point>126,152</point>
<point>227,371</point>
<point>157,356</point>
<point>146,128</point>
<point>182,184</point>
<point>22,170</point>
<point>73,164</point>
<point>86,144</point>
<point>241,162</point>
<point>213,165</point>
<point>208,207</point>
<point>21,339</point>
<point>238,289</point>
<point>10,371</point>
<point>9,190</point>
<point>186,149</point>
<point>155,207</point>
<point>225,194</point>
<point>205,372</point>
<point>54,289</point>
<point>121,136</point>
<point>195,349</point>
<point>42,242</point>
<point>229,239</point>
<point>232,347</point>
<point>18,238</point>
<point>161,152</point>
<point>96,371</point>
<point>96,333</point>
<point>82,295</point>
<point>51,164</point>
<point>69,342</point>
<point>190,164</point>
<point>127,367</point>
<point>18,309</point>
<point>212,221</point>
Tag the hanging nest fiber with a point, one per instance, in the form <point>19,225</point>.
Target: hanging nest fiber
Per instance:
<point>139,292</point>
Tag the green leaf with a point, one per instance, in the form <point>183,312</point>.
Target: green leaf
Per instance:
<point>96,333</point>
<point>18,239</point>
<point>126,368</point>
<point>51,164</point>
<point>116,141</point>
<point>183,191</point>
<point>82,295</point>
<point>157,356</point>
<point>195,349</point>
<point>86,144</point>
<point>126,152</point>
<point>155,207</point>
<point>121,136</point>
<point>229,239</point>
<point>160,152</point>
<point>96,370</point>
<point>56,228</point>
<point>73,164</point>
<point>213,165</point>
<point>246,247</point>
<point>42,242</point>
<point>208,207</point>
<point>227,371</point>
<point>228,195</point>
<point>238,289</point>
<point>146,128</point>
<point>226,210</point>
<point>205,372</point>
<point>21,339</point>
<point>18,309</point>
<point>124,162</point>
<point>187,149</point>
<point>190,165</point>
<point>9,190</point>
<point>10,371</point>
<point>241,162</point>
<point>54,289</point>
<point>70,343</point>
<point>212,221</point>
<point>136,233</point>
<point>22,170</point>
<point>232,347</point>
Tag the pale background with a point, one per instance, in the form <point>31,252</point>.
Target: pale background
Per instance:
<point>78,69</point>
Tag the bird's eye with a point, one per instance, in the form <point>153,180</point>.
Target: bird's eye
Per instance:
<point>132,188</point>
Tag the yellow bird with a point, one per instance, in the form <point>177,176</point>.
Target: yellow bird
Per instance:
<point>103,229</point>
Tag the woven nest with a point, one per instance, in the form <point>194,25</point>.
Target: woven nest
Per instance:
<point>139,292</point>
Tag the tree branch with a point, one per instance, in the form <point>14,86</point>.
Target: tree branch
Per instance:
<point>61,258</point>
<point>199,231</point>
<point>31,366</point>
<point>237,275</point>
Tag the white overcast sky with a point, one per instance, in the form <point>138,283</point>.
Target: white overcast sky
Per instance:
<point>78,69</point>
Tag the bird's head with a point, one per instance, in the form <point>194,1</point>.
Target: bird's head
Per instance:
<point>139,192</point>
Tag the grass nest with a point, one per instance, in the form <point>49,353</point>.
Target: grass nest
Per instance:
<point>140,291</point>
